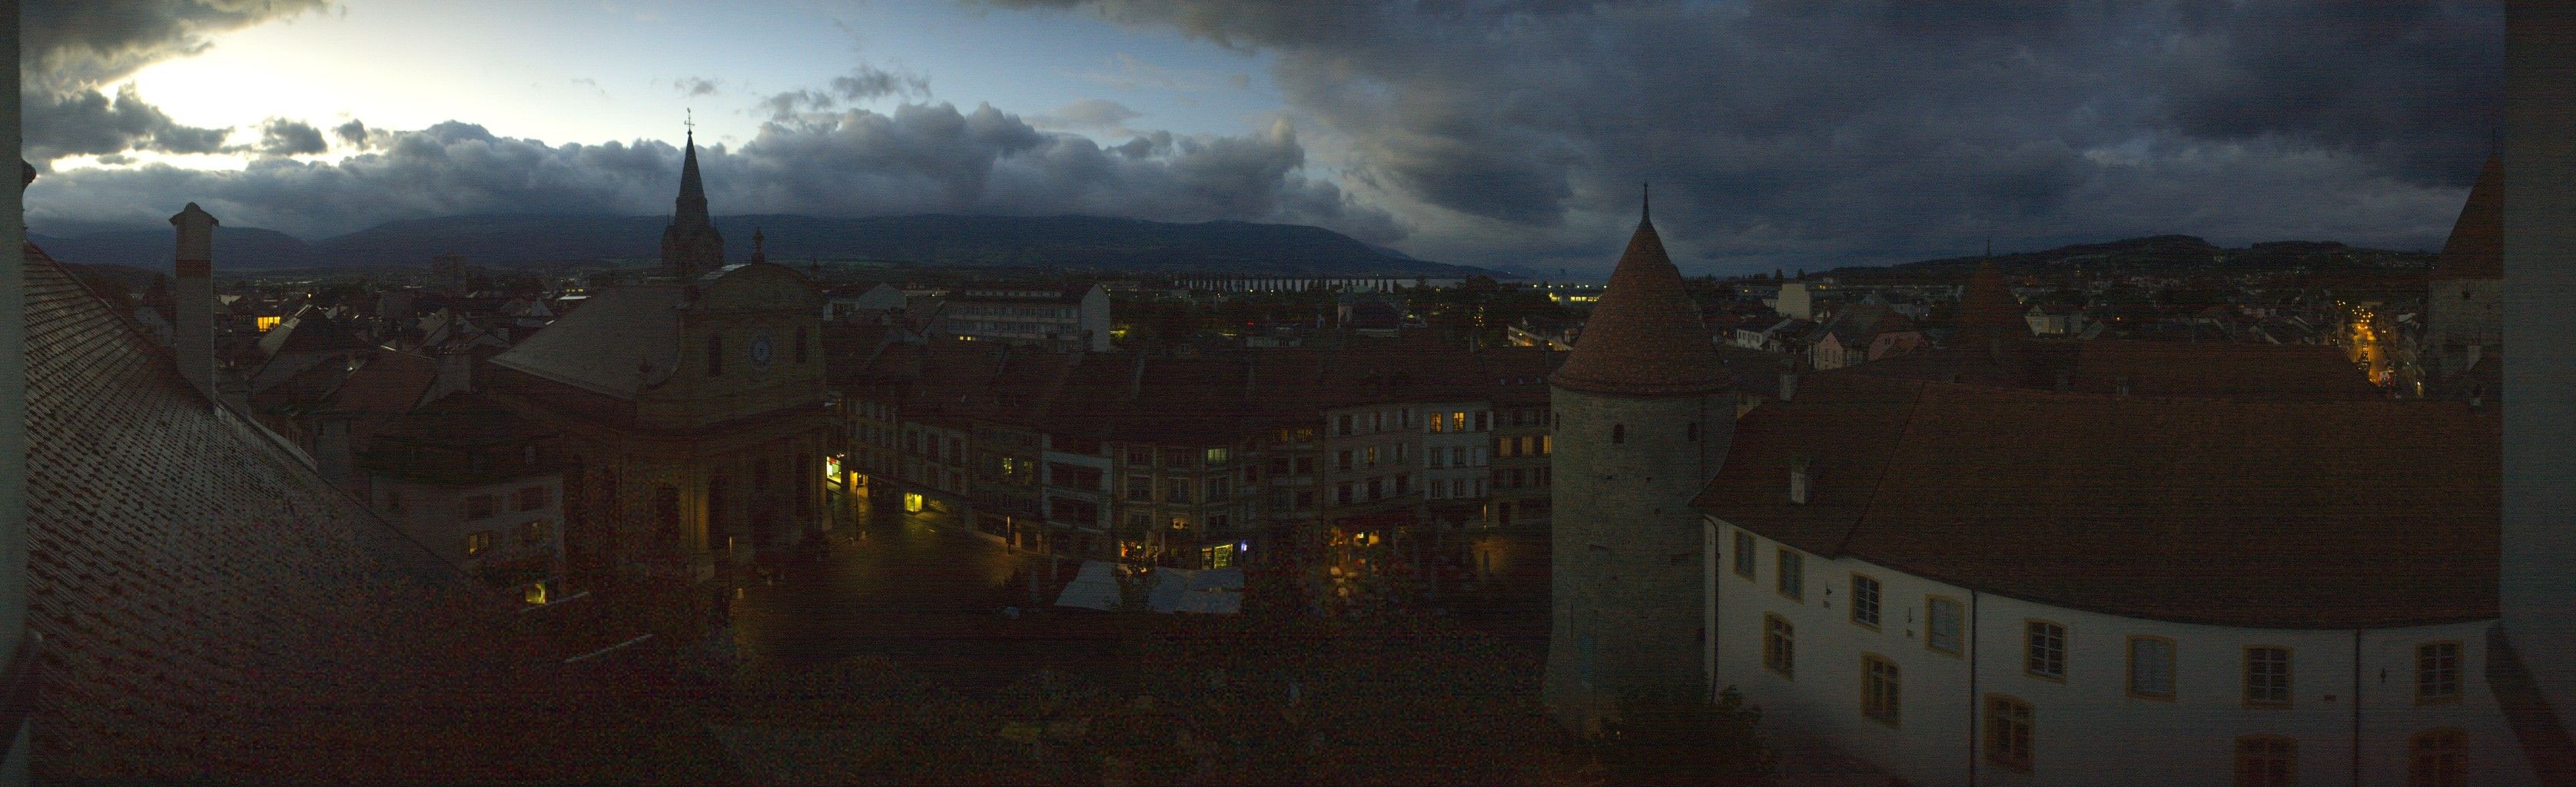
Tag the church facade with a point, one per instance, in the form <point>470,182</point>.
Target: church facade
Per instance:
<point>693,412</point>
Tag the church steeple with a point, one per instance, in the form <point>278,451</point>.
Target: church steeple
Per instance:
<point>691,245</point>
<point>758,255</point>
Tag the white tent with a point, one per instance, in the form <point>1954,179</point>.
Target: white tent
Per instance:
<point>1094,587</point>
<point>1210,592</point>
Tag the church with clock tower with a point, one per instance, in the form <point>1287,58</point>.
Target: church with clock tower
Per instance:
<point>693,407</point>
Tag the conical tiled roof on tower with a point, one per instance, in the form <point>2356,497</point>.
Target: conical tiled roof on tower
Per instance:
<point>1988,302</point>
<point>2476,248</point>
<point>1645,336</point>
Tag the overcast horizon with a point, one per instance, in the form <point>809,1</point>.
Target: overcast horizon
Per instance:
<point>1479,133</point>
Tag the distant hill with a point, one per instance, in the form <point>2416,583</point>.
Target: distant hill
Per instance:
<point>1066,242</point>
<point>151,249</point>
<point>2161,255</point>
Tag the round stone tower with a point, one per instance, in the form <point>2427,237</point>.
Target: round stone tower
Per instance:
<point>1643,416</point>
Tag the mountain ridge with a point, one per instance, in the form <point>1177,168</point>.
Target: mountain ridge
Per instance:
<point>933,239</point>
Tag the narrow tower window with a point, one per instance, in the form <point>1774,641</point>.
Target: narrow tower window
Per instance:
<point>1618,433</point>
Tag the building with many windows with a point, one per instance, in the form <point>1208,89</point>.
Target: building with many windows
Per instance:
<point>1967,584</point>
<point>1074,315</point>
<point>478,484</point>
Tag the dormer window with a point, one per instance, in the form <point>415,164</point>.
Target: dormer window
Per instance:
<point>1798,480</point>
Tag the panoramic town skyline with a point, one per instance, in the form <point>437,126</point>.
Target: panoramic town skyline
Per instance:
<point>1495,134</point>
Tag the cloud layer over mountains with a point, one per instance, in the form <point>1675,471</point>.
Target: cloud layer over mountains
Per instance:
<point>1776,132</point>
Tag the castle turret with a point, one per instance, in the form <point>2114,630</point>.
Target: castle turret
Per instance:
<point>690,245</point>
<point>1643,419</point>
<point>2463,320</point>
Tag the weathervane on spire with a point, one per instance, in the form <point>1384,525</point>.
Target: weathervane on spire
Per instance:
<point>691,115</point>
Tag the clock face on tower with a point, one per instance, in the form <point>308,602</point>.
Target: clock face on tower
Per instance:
<point>761,351</point>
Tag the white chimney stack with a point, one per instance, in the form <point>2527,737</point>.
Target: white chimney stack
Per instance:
<point>194,291</point>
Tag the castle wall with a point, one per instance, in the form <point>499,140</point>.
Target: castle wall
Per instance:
<point>1627,572</point>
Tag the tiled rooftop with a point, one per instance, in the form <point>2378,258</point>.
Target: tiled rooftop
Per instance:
<point>2266,513</point>
<point>213,611</point>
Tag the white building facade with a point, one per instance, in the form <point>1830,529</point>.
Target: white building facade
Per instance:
<point>1940,684</point>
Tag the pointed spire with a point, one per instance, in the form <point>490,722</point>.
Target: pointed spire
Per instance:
<point>1646,206</point>
<point>1645,337</point>
<point>691,245</point>
<point>758,255</point>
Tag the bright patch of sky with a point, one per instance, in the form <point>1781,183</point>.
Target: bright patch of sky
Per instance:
<point>600,70</point>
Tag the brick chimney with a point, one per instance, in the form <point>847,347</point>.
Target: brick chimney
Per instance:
<point>194,291</point>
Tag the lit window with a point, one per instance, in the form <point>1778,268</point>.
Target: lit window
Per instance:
<point>2151,668</point>
<point>2267,677</point>
<point>1779,646</point>
<point>1744,557</point>
<point>1864,601</point>
<point>1458,421</point>
<point>2009,730</point>
<point>912,502</point>
<point>2433,759</point>
<point>1878,690</point>
<point>1216,456</point>
<point>2437,672</point>
<point>2045,646</point>
<point>1792,568</point>
<point>478,542</point>
<point>2266,761</point>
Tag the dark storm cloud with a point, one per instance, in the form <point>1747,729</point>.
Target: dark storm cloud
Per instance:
<point>1870,131</point>
<point>90,122</point>
<point>76,47</point>
<point>869,82</point>
<point>72,44</point>
<point>862,83</point>
<point>919,159</point>
<point>352,133</point>
<point>283,137</point>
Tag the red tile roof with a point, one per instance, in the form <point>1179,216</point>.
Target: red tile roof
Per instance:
<point>1644,337</point>
<point>2476,247</point>
<point>214,611</point>
<point>2275,514</point>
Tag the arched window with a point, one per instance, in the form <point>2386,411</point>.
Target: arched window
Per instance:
<point>715,354</point>
<point>1618,433</point>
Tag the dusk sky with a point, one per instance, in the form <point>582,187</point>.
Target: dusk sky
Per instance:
<point>1483,132</point>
